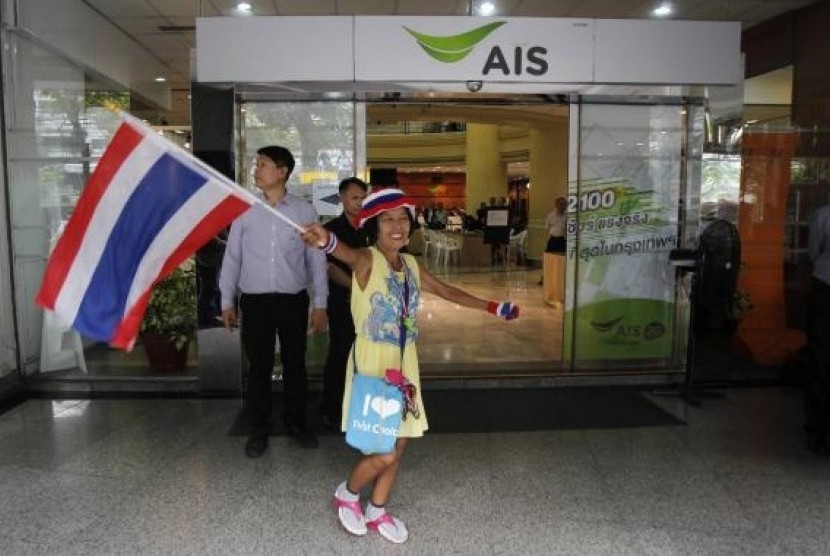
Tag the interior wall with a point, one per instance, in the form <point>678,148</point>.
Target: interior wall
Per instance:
<point>811,86</point>
<point>798,38</point>
<point>426,188</point>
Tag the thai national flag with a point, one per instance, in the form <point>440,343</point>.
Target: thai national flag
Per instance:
<point>146,208</point>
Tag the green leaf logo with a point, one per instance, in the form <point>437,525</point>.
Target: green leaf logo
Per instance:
<point>456,47</point>
<point>607,325</point>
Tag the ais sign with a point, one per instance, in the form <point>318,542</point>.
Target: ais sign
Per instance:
<point>464,48</point>
<point>452,50</point>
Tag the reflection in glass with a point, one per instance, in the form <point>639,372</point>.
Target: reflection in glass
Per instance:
<point>320,135</point>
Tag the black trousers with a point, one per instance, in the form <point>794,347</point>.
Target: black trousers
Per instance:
<point>817,389</point>
<point>264,316</point>
<point>556,244</point>
<point>341,339</point>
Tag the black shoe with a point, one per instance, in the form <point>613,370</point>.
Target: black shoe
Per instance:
<point>256,445</point>
<point>818,445</point>
<point>303,436</point>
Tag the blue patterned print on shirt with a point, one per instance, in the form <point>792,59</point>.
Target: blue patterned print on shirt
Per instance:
<point>383,324</point>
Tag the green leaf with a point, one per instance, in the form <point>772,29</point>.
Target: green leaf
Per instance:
<point>446,57</point>
<point>455,47</point>
<point>171,311</point>
<point>606,325</point>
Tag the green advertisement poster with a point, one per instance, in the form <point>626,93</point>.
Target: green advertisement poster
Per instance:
<point>620,303</point>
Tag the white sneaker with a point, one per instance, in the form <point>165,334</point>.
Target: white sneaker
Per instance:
<point>390,528</point>
<point>350,515</point>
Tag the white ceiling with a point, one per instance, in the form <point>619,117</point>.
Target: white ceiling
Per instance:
<point>165,27</point>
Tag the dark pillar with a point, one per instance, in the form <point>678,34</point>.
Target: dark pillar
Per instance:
<point>212,118</point>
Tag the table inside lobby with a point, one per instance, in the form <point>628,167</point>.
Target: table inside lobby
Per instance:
<point>474,252</point>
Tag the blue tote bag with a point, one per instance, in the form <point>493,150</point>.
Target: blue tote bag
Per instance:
<point>375,410</point>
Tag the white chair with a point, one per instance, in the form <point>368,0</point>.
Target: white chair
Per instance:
<point>451,244</point>
<point>54,355</point>
<point>429,243</point>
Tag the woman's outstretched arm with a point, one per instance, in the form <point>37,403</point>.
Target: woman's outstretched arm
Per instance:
<point>431,284</point>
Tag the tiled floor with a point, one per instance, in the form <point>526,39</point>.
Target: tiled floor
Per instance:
<point>163,477</point>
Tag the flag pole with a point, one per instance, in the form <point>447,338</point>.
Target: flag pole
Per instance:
<point>189,158</point>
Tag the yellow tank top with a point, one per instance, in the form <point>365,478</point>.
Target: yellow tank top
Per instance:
<point>376,311</point>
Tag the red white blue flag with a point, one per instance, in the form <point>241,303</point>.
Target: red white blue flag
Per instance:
<point>147,207</point>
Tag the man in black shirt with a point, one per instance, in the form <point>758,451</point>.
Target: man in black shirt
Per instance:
<point>341,327</point>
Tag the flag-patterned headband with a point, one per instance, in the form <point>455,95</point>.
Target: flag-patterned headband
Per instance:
<point>382,201</point>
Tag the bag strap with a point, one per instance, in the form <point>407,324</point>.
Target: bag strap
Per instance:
<point>405,311</point>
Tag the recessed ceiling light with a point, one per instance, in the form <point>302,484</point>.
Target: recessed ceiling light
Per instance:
<point>160,79</point>
<point>244,7</point>
<point>486,9</point>
<point>662,10</point>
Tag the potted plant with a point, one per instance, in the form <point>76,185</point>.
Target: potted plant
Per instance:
<point>170,321</point>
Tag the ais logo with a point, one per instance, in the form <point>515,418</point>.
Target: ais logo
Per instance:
<point>455,48</point>
<point>651,331</point>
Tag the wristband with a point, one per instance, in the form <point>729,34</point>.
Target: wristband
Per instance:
<point>331,244</point>
<point>505,309</point>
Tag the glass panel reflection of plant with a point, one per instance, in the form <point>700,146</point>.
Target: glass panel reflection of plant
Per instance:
<point>171,311</point>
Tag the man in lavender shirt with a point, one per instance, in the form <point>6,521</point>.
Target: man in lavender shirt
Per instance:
<point>269,268</point>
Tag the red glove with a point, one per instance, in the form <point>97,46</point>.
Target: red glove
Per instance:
<point>505,309</point>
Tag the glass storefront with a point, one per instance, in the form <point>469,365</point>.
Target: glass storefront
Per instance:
<point>624,206</point>
<point>56,128</point>
<point>622,308</point>
<point>625,217</point>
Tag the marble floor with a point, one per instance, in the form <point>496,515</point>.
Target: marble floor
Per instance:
<point>450,335</point>
<point>138,476</point>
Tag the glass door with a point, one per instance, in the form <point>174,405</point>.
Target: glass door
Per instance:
<point>629,173</point>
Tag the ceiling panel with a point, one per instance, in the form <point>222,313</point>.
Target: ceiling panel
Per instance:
<point>177,7</point>
<point>166,44</point>
<point>228,8</point>
<point>182,21</point>
<point>545,8</point>
<point>506,8</point>
<point>124,8</point>
<point>304,7</point>
<point>209,9</point>
<point>361,7</point>
<point>140,25</point>
<point>730,10</point>
<point>431,7</point>
<point>611,9</point>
